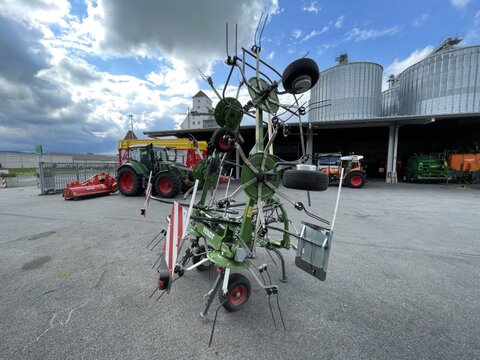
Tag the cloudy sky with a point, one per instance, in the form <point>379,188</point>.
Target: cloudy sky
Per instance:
<point>71,71</point>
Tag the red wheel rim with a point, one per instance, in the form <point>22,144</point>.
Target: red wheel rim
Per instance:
<point>238,295</point>
<point>356,180</point>
<point>165,185</point>
<point>224,144</point>
<point>126,181</point>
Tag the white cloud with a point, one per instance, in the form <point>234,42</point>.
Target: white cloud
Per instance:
<point>420,20</point>
<point>360,35</point>
<point>399,65</point>
<point>273,8</point>
<point>49,87</point>
<point>461,4</point>
<point>311,7</point>
<point>296,33</point>
<point>314,33</point>
<point>339,22</point>
<point>325,47</point>
<point>271,55</point>
<point>477,18</point>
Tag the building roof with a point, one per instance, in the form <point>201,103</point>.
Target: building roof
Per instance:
<point>130,135</point>
<point>200,94</point>
<point>335,124</point>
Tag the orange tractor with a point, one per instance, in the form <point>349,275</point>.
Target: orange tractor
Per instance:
<point>353,172</point>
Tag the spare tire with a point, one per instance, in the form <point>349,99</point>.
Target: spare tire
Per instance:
<point>305,180</point>
<point>300,76</point>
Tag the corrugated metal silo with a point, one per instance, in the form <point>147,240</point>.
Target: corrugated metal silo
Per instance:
<point>391,101</point>
<point>446,82</point>
<point>353,90</point>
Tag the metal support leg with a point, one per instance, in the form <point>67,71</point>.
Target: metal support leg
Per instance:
<point>211,294</point>
<point>283,279</point>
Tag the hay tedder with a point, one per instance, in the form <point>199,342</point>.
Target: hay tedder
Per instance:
<point>217,231</point>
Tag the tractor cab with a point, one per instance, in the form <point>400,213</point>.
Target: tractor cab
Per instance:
<point>169,178</point>
<point>353,172</point>
<point>147,155</point>
<point>351,162</point>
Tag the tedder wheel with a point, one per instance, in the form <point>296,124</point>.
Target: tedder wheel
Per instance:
<point>220,140</point>
<point>356,180</point>
<point>305,180</point>
<point>129,182</point>
<point>168,184</point>
<point>239,289</point>
<point>196,258</point>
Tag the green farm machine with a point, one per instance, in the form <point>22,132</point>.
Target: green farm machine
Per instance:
<point>169,178</point>
<point>431,167</point>
<point>225,233</point>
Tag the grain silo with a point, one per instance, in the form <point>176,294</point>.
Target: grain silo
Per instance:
<point>445,82</point>
<point>353,90</point>
<point>390,98</point>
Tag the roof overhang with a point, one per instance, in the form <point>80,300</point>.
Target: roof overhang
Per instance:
<point>335,124</point>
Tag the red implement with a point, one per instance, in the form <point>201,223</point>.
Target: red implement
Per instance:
<point>99,184</point>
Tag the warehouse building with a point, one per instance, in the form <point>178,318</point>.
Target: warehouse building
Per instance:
<point>432,106</point>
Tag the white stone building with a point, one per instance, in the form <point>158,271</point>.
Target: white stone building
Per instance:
<point>200,115</point>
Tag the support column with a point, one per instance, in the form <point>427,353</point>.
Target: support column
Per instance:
<point>394,160</point>
<point>392,153</point>
<point>309,145</point>
<point>391,145</point>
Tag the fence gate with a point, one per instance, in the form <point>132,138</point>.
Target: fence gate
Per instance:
<point>55,176</point>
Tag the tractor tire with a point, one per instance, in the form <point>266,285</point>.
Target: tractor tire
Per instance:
<point>168,184</point>
<point>305,180</point>
<point>356,180</point>
<point>239,290</point>
<point>196,258</point>
<point>408,177</point>
<point>300,76</point>
<point>129,182</point>
<point>220,142</point>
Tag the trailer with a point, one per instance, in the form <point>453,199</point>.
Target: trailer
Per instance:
<point>186,151</point>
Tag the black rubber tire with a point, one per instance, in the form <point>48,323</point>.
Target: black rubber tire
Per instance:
<point>136,189</point>
<point>168,185</point>
<point>299,68</point>
<point>239,289</point>
<point>305,180</point>
<point>407,177</point>
<point>196,258</point>
<point>356,180</point>
<point>218,140</point>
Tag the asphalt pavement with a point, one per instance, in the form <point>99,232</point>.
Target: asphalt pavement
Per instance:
<point>403,282</point>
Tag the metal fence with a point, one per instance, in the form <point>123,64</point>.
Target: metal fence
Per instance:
<point>55,176</point>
